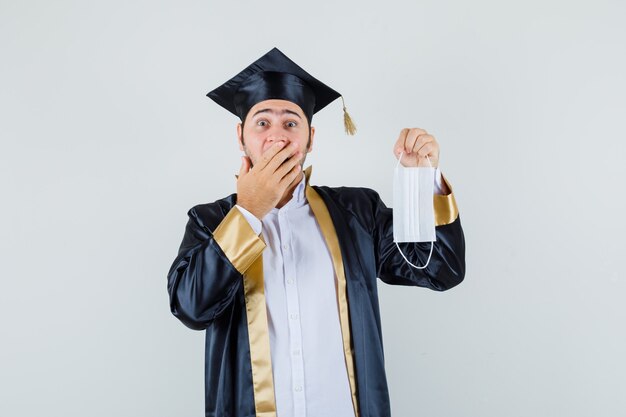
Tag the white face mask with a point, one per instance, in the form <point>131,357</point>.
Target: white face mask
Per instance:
<point>413,209</point>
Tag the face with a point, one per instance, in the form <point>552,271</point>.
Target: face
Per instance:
<point>272,121</point>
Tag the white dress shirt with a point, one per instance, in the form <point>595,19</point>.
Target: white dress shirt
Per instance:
<point>306,345</point>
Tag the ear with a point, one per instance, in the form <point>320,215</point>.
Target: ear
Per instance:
<point>312,139</point>
<point>240,136</point>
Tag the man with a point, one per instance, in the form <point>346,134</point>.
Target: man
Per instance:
<point>282,274</point>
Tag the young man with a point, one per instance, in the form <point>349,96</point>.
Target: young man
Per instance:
<point>282,274</point>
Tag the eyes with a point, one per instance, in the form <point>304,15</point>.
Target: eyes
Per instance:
<point>288,124</point>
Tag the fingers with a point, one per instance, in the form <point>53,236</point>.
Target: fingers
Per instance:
<point>419,142</point>
<point>245,165</point>
<point>416,144</point>
<point>426,149</point>
<point>280,163</point>
<point>407,140</point>
<point>291,176</point>
<point>415,139</point>
<point>288,165</point>
<point>399,147</point>
<point>269,154</point>
<point>280,157</point>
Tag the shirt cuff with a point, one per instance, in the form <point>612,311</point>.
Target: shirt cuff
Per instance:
<point>438,182</point>
<point>255,223</point>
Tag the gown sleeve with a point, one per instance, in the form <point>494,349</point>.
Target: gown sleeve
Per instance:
<point>208,270</point>
<point>446,268</point>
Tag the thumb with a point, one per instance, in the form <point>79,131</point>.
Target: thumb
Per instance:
<point>245,165</point>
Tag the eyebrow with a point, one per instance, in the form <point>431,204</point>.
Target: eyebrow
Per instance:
<point>284,111</point>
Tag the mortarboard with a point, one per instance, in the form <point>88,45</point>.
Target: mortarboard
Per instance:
<point>275,76</point>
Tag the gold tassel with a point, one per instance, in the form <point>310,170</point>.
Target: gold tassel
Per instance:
<point>348,124</point>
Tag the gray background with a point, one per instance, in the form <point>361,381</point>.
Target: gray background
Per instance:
<point>108,140</point>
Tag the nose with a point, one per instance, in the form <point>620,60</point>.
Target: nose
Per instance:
<point>274,137</point>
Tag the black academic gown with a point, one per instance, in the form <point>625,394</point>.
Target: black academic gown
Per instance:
<point>216,284</point>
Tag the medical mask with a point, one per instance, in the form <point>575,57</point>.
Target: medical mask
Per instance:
<point>413,208</point>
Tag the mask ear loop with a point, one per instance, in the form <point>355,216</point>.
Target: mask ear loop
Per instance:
<point>432,244</point>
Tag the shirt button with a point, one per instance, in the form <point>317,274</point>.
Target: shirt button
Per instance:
<point>294,316</point>
<point>298,388</point>
<point>296,352</point>
<point>285,247</point>
<point>289,281</point>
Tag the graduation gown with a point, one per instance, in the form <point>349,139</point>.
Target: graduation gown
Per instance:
<point>216,284</point>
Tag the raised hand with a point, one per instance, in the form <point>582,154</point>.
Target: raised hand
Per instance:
<point>261,187</point>
<point>416,143</point>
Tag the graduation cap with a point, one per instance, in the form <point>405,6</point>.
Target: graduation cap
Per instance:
<point>275,76</point>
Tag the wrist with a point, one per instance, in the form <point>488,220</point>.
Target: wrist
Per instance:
<point>250,208</point>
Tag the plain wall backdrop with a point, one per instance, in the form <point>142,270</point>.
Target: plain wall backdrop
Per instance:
<point>107,139</point>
